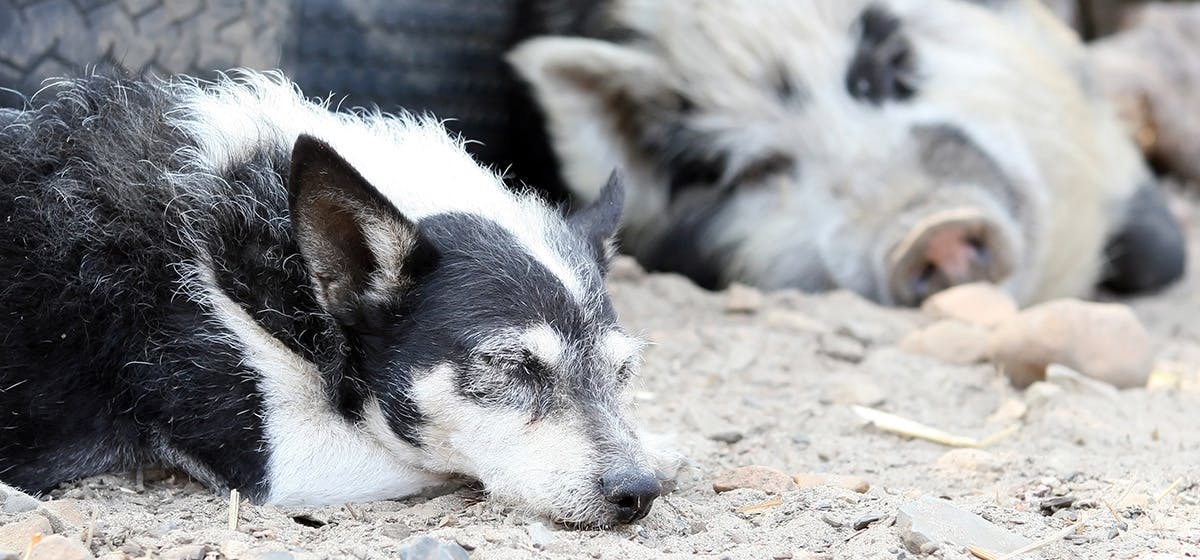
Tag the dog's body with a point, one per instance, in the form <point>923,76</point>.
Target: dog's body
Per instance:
<point>307,306</point>
<point>891,147</point>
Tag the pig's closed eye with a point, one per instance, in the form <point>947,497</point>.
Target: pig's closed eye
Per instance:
<point>765,168</point>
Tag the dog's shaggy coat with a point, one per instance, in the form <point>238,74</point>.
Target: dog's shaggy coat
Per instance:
<point>311,307</point>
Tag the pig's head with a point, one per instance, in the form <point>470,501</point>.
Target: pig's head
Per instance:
<point>891,147</point>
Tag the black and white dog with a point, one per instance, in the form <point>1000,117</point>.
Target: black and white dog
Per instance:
<point>308,306</point>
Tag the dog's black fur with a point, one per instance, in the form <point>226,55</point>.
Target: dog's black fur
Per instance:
<point>102,368</point>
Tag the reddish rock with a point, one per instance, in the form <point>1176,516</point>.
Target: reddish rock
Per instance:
<point>977,303</point>
<point>1103,341</point>
<point>16,535</point>
<point>757,477</point>
<point>58,547</point>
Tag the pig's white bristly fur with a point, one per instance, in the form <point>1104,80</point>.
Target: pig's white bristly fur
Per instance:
<point>1058,143</point>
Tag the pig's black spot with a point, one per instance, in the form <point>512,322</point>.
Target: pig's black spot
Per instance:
<point>884,66</point>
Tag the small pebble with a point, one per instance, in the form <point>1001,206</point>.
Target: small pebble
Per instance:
<point>968,461</point>
<point>233,550</point>
<point>20,503</point>
<point>856,389</point>
<point>274,555</point>
<point>840,347</point>
<point>429,548</point>
<point>398,531</point>
<point>767,479</point>
<point>540,535</point>
<point>187,552</point>
<point>1052,505</point>
<point>982,304</point>
<point>867,519</point>
<point>727,437</point>
<point>794,321</point>
<point>740,298</point>
<point>852,483</point>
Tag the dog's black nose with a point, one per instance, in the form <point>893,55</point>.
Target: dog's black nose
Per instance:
<point>631,490</point>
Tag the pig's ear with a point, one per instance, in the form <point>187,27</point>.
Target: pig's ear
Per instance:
<point>590,92</point>
<point>362,254</point>
<point>598,221</point>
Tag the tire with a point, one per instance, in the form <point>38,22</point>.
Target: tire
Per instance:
<point>443,57</point>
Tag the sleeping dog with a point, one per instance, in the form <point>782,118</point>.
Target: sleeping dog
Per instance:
<point>310,307</point>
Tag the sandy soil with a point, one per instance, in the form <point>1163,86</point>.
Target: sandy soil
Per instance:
<point>782,377</point>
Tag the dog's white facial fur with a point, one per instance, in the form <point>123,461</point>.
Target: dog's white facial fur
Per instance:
<point>820,185</point>
<point>540,439</point>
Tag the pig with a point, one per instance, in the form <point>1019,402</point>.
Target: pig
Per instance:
<point>889,147</point>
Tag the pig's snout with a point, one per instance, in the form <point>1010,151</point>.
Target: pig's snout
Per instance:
<point>631,490</point>
<point>947,249</point>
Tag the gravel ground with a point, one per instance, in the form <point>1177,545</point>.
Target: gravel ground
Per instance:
<point>737,379</point>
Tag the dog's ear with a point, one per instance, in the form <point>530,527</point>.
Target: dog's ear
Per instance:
<point>362,254</point>
<point>598,221</point>
<point>591,93</point>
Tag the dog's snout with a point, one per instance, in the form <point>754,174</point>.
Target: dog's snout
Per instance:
<point>946,251</point>
<point>632,491</point>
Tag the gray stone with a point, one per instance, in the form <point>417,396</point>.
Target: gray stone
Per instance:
<point>20,503</point>
<point>727,437</point>
<point>274,555</point>
<point>540,535</point>
<point>429,548</point>
<point>185,552</point>
<point>843,348</point>
<point>9,555</point>
<point>398,531</point>
<point>932,520</point>
<point>867,519</point>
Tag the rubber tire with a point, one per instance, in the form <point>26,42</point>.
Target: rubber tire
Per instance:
<point>443,57</point>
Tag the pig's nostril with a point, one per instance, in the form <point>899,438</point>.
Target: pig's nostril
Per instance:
<point>631,491</point>
<point>945,250</point>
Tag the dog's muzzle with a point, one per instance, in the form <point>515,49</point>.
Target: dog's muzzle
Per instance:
<point>632,491</point>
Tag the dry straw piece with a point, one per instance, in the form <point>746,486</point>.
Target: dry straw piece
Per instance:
<point>762,506</point>
<point>911,428</point>
<point>235,503</point>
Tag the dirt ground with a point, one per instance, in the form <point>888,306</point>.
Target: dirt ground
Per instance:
<point>781,377</point>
